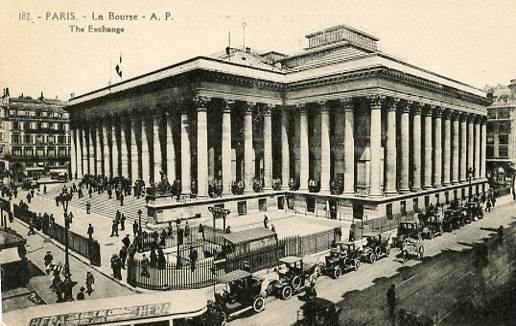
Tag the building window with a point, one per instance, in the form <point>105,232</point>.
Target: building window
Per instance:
<point>503,139</point>
<point>17,151</point>
<point>491,114</point>
<point>26,126</point>
<point>504,128</point>
<point>503,151</point>
<point>504,114</point>
<point>27,139</point>
<point>388,211</point>
<point>490,151</point>
<point>16,139</point>
<point>16,125</point>
<point>415,204</point>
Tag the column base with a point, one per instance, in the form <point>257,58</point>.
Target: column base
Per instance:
<point>348,193</point>
<point>417,189</point>
<point>303,189</point>
<point>267,189</point>
<point>454,182</point>
<point>425,187</point>
<point>390,193</point>
<point>437,186</point>
<point>463,181</point>
<point>404,191</point>
<point>285,187</point>
<point>446,184</point>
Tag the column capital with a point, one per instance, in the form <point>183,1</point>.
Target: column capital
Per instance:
<point>228,105</point>
<point>437,111</point>
<point>266,108</point>
<point>415,107</point>
<point>393,104</point>
<point>200,103</point>
<point>427,110</point>
<point>247,107</point>
<point>376,101</point>
<point>302,108</point>
<point>347,103</point>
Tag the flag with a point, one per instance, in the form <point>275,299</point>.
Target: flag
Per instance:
<point>118,67</point>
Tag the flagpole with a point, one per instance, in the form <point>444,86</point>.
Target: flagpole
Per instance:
<point>110,72</point>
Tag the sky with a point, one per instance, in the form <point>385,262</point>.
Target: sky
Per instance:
<point>471,41</point>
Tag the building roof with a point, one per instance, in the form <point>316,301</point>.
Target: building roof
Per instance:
<point>248,235</point>
<point>10,239</point>
<point>232,276</point>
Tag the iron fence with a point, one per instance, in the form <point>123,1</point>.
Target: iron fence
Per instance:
<point>169,238</point>
<point>76,242</point>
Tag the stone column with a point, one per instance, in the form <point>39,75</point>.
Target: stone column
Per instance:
<point>455,149</point>
<point>427,182</point>
<point>267,147</point>
<point>285,149</point>
<point>73,153</point>
<point>349,147</point>
<point>156,145</point>
<point>463,148</point>
<point>98,151</point>
<point>477,148</point>
<point>146,167</point>
<point>135,157</point>
<point>91,151</point>
<point>405,149</point>
<point>471,144</point>
<point>437,183</point>
<point>390,150</point>
<point>124,153</point>
<point>108,170</point>
<point>79,152</point>
<point>202,147</point>
<point>248,148</point>
<point>325,149</point>
<point>171,153</point>
<point>186,156</point>
<point>375,146</point>
<point>304,154</point>
<point>447,149</point>
<point>483,149</point>
<point>226,149</point>
<point>416,147</point>
<point>114,149</point>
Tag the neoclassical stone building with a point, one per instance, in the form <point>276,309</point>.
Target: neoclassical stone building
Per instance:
<point>392,136</point>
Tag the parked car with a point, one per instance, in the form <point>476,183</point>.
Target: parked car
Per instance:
<point>407,229</point>
<point>242,292</point>
<point>344,256</point>
<point>376,247</point>
<point>291,278</point>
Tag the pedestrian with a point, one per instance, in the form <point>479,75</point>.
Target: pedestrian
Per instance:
<point>31,228</point>
<point>44,189</point>
<point>59,288</point>
<point>153,258</point>
<point>145,266</point>
<point>80,295</point>
<point>187,230</point>
<point>48,260</point>
<point>88,207</point>
<point>391,300</point>
<point>265,221</point>
<point>126,241</point>
<point>123,256</point>
<point>161,259</point>
<point>90,280</point>
<point>90,231</point>
<point>170,229</point>
<point>121,199</point>
<point>29,197</point>
<point>201,230</point>
<point>273,228</point>
<point>488,206</point>
<point>110,193</point>
<point>228,229</point>
<point>351,235</point>
<point>135,228</point>
<point>493,200</point>
<point>118,214</point>
<point>115,265</point>
<point>114,229</point>
<point>90,192</point>
<point>193,259</point>
<point>122,222</point>
<point>79,192</point>
<point>70,217</point>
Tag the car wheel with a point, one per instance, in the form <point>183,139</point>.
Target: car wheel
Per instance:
<point>387,251</point>
<point>259,304</point>
<point>357,264</point>
<point>286,292</point>
<point>372,258</point>
<point>337,272</point>
<point>296,282</point>
<point>378,251</point>
<point>430,235</point>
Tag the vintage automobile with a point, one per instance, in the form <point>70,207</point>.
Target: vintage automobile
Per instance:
<point>452,219</point>
<point>412,246</point>
<point>318,311</point>
<point>242,292</point>
<point>292,280</point>
<point>376,247</point>
<point>344,256</point>
<point>407,229</point>
<point>474,210</point>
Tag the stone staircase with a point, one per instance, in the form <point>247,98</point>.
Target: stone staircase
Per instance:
<point>102,205</point>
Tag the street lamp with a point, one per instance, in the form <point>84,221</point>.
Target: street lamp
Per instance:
<point>139,212</point>
<point>178,255</point>
<point>65,198</point>
<point>471,171</point>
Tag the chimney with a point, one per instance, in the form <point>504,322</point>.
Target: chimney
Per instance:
<point>7,91</point>
<point>41,97</point>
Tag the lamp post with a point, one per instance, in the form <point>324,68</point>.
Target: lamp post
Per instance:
<point>471,171</point>
<point>178,255</point>
<point>139,212</point>
<point>65,198</point>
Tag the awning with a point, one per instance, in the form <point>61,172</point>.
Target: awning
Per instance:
<point>249,235</point>
<point>10,239</point>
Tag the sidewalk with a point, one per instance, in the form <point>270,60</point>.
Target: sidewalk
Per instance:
<point>38,245</point>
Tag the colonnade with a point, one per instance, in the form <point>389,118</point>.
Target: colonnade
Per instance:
<point>437,146</point>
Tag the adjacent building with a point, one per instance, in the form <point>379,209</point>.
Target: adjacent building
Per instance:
<point>501,135</point>
<point>36,138</point>
<point>345,130</point>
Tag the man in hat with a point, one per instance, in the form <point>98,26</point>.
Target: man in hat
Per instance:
<point>48,260</point>
<point>80,295</point>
